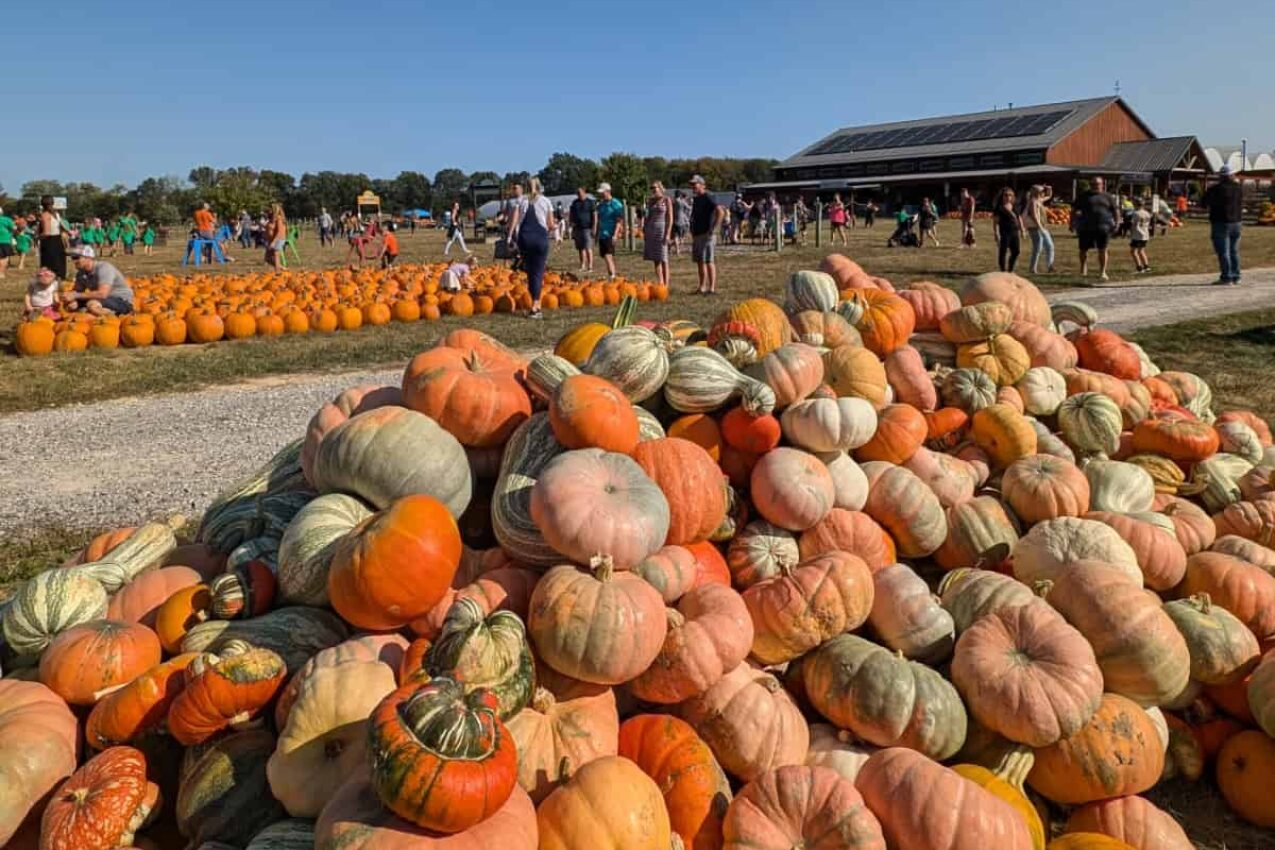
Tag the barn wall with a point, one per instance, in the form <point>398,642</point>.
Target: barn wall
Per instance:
<point>1088,144</point>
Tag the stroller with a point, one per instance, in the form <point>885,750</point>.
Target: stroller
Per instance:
<point>904,236</point>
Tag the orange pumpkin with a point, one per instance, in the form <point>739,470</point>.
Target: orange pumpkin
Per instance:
<point>478,400</point>
<point>1246,774</point>
<point>701,430</point>
<point>591,412</point>
<point>887,321</point>
<point>224,692</point>
<point>181,612</point>
<point>124,715</point>
<point>85,662</point>
<point>692,483</point>
<point>102,805</point>
<point>901,429</point>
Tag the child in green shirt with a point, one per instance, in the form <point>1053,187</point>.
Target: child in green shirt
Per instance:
<point>22,243</point>
<point>112,238</point>
<point>148,240</point>
<point>128,232</point>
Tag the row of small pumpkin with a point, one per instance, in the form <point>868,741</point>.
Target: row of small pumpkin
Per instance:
<point>664,618</point>
<point>211,309</point>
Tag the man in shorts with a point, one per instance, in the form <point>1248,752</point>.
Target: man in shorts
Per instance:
<point>100,288</point>
<point>609,227</point>
<point>583,216</point>
<point>1098,213</point>
<point>706,218</point>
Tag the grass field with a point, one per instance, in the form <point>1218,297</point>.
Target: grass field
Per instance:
<point>27,384</point>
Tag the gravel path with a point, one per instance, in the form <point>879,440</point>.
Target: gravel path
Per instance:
<point>125,461</point>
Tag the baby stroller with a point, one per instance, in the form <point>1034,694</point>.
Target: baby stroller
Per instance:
<point>904,235</point>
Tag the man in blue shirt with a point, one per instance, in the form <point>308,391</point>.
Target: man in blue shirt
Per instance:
<point>610,226</point>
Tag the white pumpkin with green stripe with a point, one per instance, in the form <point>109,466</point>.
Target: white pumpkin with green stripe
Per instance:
<point>632,358</point>
<point>544,373</point>
<point>649,428</point>
<point>700,381</point>
<point>307,547</point>
<point>143,549</point>
<point>48,604</point>
<point>1119,487</point>
<point>530,448</point>
<point>810,290</point>
<point>1091,423</point>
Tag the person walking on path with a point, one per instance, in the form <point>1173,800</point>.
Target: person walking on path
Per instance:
<point>53,239</point>
<point>6,242</point>
<point>681,220</point>
<point>927,223</point>
<point>1098,214</point>
<point>1140,224</point>
<point>837,218</point>
<point>1009,227</point>
<point>1225,203</point>
<point>583,215</point>
<point>455,231</point>
<point>610,227</point>
<point>1037,223</point>
<point>22,242</point>
<point>326,236</point>
<point>870,213</point>
<point>532,223</point>
<point>706,218</point>
<point>967,207</point>
<point>148,239</point>
<point>657,230</point>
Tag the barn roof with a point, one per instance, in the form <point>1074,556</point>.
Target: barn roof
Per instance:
<point>1031,127</point>
<point>1155,155</point>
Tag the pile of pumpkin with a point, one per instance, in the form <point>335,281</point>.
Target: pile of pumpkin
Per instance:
<point>873,569</point>
<point>210,308</point>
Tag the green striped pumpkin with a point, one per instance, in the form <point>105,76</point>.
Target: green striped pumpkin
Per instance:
<point>545,373</point>
<point>700,381</point>
<point>485,652</point>
<point>633,358</point>
<point>809,290</point>
<point>390,452</point>
<point>231,518</point>
<point>649,427</point>
<point>290,834</point>
<point>307,547</point>
<point>223,793</point>
<point>143,549</point>
<point>48,604</point>
<point>529,450</point>
<point>295,633</point>
<point>1091,423</point>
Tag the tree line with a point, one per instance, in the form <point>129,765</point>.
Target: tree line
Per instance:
<point>170,199</point>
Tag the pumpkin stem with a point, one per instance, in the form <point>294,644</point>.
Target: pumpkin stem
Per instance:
<point>675,842</point>
<point>543,700</point>
<point>176,522</point>
<point>98,695</point>
<point>1042,588</point>
<point>564,769</point>
<point>603,566</point>
<point>1203,601</point>
<point>1014,766</point>
<point>845,736</point>
<point>952,578</point>
<point>771,684</point>
<point>675,618</point>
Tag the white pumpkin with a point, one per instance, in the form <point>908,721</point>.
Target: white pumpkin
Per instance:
<point>1119,487</point>
<point>1043,390</point>
<point>836,749</point>
<point>1218,480</point>
<point>829,424</point>
<point>1239,438</point>
<point>1091,423</point>
<point>1051,546</point>
<point>810,290</point>
<point>848,480</point>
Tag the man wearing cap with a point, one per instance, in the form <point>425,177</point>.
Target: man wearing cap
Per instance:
<point>706,218</point>
<point>100,288</point>
<point>1225,202</point>
<point>609,227</point>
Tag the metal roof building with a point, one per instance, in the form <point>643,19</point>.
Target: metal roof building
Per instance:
<point>1053,143</point>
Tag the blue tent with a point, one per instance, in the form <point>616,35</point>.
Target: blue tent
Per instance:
<point>416,214</point>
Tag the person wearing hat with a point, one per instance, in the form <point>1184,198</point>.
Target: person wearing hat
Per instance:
<point>1225,203</point>
<point>610,226</point>
<point>100,288</point>
<point>706,218</point>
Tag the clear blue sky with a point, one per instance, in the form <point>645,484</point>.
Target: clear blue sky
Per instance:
<point>126,91</point>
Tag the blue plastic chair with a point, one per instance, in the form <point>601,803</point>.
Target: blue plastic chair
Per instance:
<point>195,248</point>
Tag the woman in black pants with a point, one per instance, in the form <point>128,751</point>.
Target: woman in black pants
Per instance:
<point>529,229</point>
<point>1008,231</point>
<point>52,239</point>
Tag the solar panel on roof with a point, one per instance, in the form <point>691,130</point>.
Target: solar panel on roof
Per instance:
<point>935,134</point>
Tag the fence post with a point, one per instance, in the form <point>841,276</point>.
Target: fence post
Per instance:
<point>818,223</point>
<point>779,228</point>
<point>628,228</point>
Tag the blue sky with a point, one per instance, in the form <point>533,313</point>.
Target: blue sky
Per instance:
<point>126,91</point>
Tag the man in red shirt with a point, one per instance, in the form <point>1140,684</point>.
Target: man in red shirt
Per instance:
<point>389,247</point>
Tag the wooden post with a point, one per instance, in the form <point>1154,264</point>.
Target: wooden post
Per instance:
<point>818,222</point>
<point>628,227</point>
<point>779,228</point>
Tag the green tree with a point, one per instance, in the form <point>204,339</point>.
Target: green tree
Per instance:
<point>163,200</point>
<point>203,176</point>
<point>414,190</point>
<point>238,190</point>
<point>450,185</point>
<point>564,172</point>
<point>512,178</point>
<point>627,176</point>
<point>35,189</point>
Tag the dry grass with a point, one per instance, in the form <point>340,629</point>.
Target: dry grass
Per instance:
<point>27,384</point>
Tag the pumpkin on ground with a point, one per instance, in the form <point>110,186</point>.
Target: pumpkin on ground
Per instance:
<point>710,632</point>
<point>225,692</point>
<point>907,617</point>
<point>792,489</point>
<point>124,715</point>
<point>84,663</point>
<point>750,722</point>
<point>798,806</point>
<point>609,802</point>
<point>486,651</point>
<point>1133,820</point>
<point>223,794</point>
<point>1222,648</point>
<point>1245,773</point>
<point>441,758</point>
<point>604,626</point>
<point>102,805</point>
<point>1117,752</point>
<point>923,805</point>
<point>589,412</point>
<point>808,604</point>
<point>38,736</point>
<point>696,792</point>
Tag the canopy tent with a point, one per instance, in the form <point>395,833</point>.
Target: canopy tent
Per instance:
<point>416,213</point>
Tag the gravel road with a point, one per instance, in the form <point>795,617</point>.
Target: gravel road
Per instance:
<point>125,461</point>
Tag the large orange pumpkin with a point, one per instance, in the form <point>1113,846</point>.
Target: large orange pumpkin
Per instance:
<point>102,805</point>
<point>225,692</point>
<point>140,706</point>
<point>478,402</point>
<point>396,565</point>
<point>887,321</point>
<point>692,483</point>
<point>590,412</point>
<point>84,662</point>
<point>1246,774</point>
